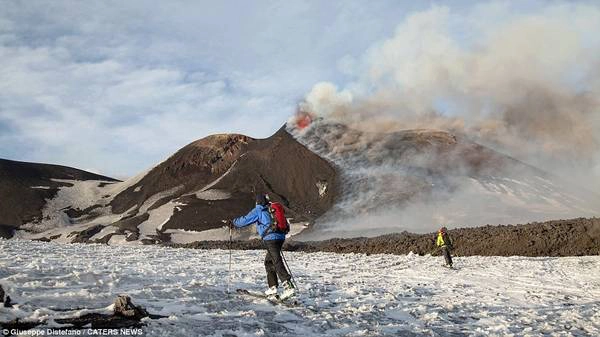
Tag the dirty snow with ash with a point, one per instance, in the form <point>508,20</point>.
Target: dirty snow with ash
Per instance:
<point>158,217</point>
<point>158,196</point>
<point>80,194</point>
<point>213,194</point>
<point>215,234</point>
<point>222,234</point>
<point>66,233</point>
<point>57,224</point>
<point>343,295</point>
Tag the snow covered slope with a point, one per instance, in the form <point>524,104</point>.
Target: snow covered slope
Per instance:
<point>350,295</point>
<point>25,189</point>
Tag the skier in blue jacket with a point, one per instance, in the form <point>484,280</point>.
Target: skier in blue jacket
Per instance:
<point>273,242</point>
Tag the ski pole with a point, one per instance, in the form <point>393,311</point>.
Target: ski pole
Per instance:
<point>289,271</point>
<point>229,274</point>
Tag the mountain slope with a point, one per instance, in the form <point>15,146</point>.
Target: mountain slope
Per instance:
<point>192,193</point>
<point>334,181</point>
<point>24,188</point>
<point>416,180</point>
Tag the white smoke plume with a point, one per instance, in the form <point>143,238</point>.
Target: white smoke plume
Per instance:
<point>527,85</point>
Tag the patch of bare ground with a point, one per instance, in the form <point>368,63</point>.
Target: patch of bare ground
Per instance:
<point>573,237</point>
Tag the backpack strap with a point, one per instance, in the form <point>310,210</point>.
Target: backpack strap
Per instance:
<point>270,229</point>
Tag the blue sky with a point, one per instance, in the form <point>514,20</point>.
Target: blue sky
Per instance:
<point>117,86</point>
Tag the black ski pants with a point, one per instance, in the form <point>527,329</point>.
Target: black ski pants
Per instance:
<point>447,255</point>
<point>274,263</point>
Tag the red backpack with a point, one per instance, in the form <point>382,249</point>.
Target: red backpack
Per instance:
<point>279,222</point>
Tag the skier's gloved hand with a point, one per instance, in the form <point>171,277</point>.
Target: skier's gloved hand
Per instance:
<point>228,223</point>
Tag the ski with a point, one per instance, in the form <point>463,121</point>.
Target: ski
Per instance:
<point>288,302</point>
<point>292,303</point>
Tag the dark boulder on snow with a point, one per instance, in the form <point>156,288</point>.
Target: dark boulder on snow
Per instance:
<point>100,321</point>
<point>5,299</point>
<point>8,302</point>
<point>85,235</point>
<point>124,307</point>
<point>126,315</point>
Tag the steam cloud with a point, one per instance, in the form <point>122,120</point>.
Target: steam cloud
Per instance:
<point>527,85</point>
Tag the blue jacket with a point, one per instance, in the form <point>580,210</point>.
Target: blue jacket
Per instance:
<point>260,216</point>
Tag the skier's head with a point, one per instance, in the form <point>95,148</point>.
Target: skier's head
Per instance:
<point>443,230</point>
<point>262,199</point>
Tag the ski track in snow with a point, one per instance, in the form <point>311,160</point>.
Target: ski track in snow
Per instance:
<point>354,294</point>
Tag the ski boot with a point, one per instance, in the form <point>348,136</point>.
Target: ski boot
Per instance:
<point>289,290</point>
<point>271,293</point>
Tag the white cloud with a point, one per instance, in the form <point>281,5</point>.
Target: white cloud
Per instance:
<point>118,86</point>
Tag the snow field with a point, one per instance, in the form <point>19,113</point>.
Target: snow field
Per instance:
<point>343,294</point>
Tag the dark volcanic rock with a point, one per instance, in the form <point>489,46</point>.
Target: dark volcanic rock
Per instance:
<point>189,169</point>
<point>104,321</point>
<point>573,237</point>
<point>126,315</point>
<point>76,213</point>
<point>125,308</point>
<point>100,321</point>
<point>7,231</point>
<point>290,173</point>
<point>85,235</point>
<point>194,215</point>
<point>129,226</point>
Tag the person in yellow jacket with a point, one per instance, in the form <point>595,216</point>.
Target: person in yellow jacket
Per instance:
<point>444,242</point>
